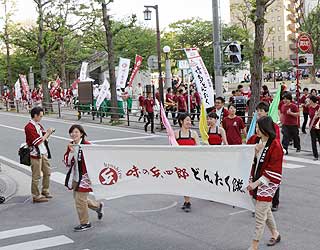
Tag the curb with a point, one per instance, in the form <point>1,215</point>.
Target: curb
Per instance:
<point>8,186</point>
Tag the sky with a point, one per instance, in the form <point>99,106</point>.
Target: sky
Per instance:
<point>169,10</point>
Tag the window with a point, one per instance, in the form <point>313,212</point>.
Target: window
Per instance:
<point>272,19</point>
<point>273,38</point>
<point>279,18</point>
<point>280,48</point>
<point>279,38</point>
<point>273,29</point>
<point>279,28</point>
<point>269,39</point>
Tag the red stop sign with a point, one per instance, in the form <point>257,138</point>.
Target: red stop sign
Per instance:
<point>304,43</point>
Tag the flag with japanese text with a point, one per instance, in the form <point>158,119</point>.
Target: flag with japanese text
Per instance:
<point>203,126</point>
<point>83,71</point>
<point>123,71</point>
<point>24,85</point>
<point>103,93</point>
<point>166,124</point>
<point>201,77</point>
<point>273,110</point>
<point>17,90</point>
<point>170,170</point>
<point>136,68</point>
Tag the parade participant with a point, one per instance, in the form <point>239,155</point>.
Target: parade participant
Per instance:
<point>77,178</point>
<point>265,178</point>
<point>314,92</point>
<point>305,110</point>
<point>148,106</point>
<point>217,134</point>
<point>36,139</point>
<point>231,98</point>
<point>170,104</point>
<point>265,94</point>
<point>290,130</point>
<point>220,110</point>
<point>262,111</point>
<point>234,126</point>
<point>181,102</point>
<point>141,100</point>
<point>197,97</point>
<point>314,114</point>
<point>186,137</point>
<point>129,92</point>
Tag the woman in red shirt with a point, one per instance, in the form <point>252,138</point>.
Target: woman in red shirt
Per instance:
<point>234,126</point>
<point>216,134</point>
<point>265,178</point>
<point>148,104</point>
<point>314,114</point>
<point>186,137</point>
<point>77,178</point>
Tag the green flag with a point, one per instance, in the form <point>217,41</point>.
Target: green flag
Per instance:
<point>273,110</point>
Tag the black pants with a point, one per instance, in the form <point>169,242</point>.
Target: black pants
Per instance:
<point>173,113</point>
<point>150,120</point>
<point>198,108</point>
<point>315,135</point>
<point>290,132</point>
<point>142,116</point>
<point>275,200</point>
<point>305,120</point>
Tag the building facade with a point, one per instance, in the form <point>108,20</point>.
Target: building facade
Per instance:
<point>280,29</point>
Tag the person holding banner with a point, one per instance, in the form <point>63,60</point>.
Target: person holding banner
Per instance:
<point>77,178</point>
<point>217,134</point>
<point>220,110</point>
<point>265,178</point>
<point>186,137</point>
<point>234,126</point>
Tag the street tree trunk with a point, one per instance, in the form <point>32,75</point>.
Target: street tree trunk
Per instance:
<point>111,66</point>
<point>258,53</point>
<point>62,62</point>
<point>42,55</point>
<point>7,44</point>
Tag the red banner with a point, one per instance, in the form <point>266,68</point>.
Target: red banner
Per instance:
<point>24,84</point>
<point>135,69</point>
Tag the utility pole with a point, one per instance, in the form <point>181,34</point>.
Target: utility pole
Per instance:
<point>274,67</point>
<point>217,49</point>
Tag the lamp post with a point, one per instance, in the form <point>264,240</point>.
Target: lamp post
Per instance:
<point>166,50</point>
<point>147,17</point>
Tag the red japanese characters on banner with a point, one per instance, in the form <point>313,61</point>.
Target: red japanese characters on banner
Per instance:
<point>135,69</point>
<point>24,84</point>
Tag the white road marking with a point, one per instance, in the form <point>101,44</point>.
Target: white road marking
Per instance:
<point>40,244</point>
<point>105,127</point>
<point>300,159</point>
<point>22,130</point>
<point>126,138</point>
<point>23,231</point>
<point>156,210</point>
<point>293,166</point>
<point>58,177</point>
<point>239,212</point>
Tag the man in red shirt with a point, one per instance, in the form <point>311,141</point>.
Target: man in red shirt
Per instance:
<point>141,107</point>
<point>305,110</point>
<point>290,114</point>
<point>234,126</point>
<point>314,125</point>
<point>148,105</point>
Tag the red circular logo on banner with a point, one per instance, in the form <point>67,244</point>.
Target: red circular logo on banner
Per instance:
<point>108,176</point>
<point>304,43</point>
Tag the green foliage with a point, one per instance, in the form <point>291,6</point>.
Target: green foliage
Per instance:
<point>281,65</point>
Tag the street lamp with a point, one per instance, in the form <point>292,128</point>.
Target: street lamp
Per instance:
<point>147,16</point>
<point>166,50</point>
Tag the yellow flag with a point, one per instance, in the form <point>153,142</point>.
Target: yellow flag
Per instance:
<point>203,126</point>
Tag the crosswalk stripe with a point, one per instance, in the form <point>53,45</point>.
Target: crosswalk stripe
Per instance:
<point>302,160</point>
<point>292,166</point>
<point>23,231</point>
<point>40,244</point>
<point>58,177</point>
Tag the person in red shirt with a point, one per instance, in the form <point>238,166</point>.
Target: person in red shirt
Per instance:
<point>148,106</point>
<point>290,129</point>
<point>141,107</point>
<point>265,178</point>
<point>315,93</point>
<point>181,102</point>
<point>197,97</point>
<point>219,109</point>
<point>234,126</point>
<point>170,104</point>
<point>314,114</point>
<point>77,178</point>
<point>216,133</point>
<point>186,137</point>
<point>305,110</point>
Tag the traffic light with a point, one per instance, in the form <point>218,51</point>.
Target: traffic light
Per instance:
<point>234,52</point>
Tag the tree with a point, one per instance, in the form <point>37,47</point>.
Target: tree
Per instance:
<point>311,25</point>
<point>258,10</point>
<point>5,36</point>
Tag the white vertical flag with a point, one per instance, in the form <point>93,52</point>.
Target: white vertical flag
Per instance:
<point>123,72</point>
<point>104,91</point>
<point>17,90</point>
<point>83,71</point>
<point>201,77</point>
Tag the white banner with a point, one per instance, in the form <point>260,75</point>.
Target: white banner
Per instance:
<point>83,71</point>
<point>217,173</point>
<point>17,90</point>
<point>104,92</point>
<point>123,71</point>
<point>201,76</point>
